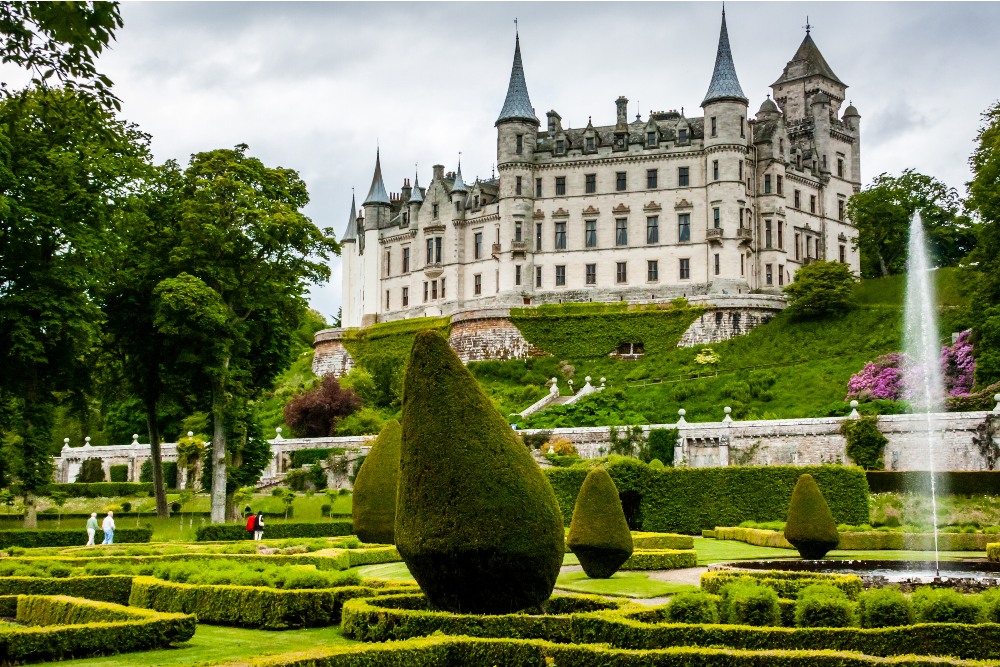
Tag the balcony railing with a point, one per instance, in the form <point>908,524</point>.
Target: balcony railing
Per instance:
<point>714,233</point>
<point>519,248</point>
<point>744,233</point>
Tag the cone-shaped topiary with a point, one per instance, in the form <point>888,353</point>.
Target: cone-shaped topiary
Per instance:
<point>810,526</point>
<point>477,522</point>
<point>598,533</point>
<point>374,501</point>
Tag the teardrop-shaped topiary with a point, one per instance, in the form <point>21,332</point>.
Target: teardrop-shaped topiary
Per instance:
<point>810,526</point>
<point>477,522</point>
<point>598,533</point>
<point>374,502</point>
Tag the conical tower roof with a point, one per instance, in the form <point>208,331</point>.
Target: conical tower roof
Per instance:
<point>416,195</point>
<point>458,185</point>
<point>806,62</point>
<point>725,85</point>
<point>377,193</point>
<point>350,234</point>
<point>517,106</point>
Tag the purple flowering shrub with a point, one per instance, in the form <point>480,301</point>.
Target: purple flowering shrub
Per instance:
<point>958,367</point>
<point>885,377</point>
<point>879,379</point>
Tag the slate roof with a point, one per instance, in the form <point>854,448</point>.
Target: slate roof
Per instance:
<point>416,195</point>
<point>377,193</point>
<point>350,234</point>
<point>815,64</point>
<point>517,106</point>
<point>724,84</point>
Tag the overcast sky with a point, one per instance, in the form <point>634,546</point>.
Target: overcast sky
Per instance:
<point>314,86</point>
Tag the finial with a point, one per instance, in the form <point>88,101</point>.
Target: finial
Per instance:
<point>807,26</point>
<point>460,160</point>
<point>723,8</point>
<point>515,28</point>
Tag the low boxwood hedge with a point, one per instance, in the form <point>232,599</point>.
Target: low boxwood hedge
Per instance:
<point>227,532</point>
<point>756,536</point>
<point>786,584</point>
<point>661,559</point>
<point>993,551</point>
<point>643,540</point>
<point>64,627</point>
<point>252,606</point>
<point>33,538</point>
<point>873,540</point>
<point>115,588</point>
<point>955,482</point>
<point>101,489</point>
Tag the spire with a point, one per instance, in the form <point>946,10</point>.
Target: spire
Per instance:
<point>416,196</point>
<point>517,106</point>
<point>806,62</point>
<point>377,194</point>
<point>725,85</point>
<point>352,223</point>
<point>458,185</point>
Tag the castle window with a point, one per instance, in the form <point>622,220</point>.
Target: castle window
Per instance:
<point>767,184</point>
<point>434,290</point>
<point>741,171</point>
<point>430,251</point>
<point>590,227</point>
<point>824,162</point>
<point>742,264</point>
<point>560,185</point>
<point>475,202</point>
<point>477,245</point>
<point>621,231</point>
<point>387,300</point>
<point>651,138</point>
<point>781,147</point>
<point>741,218</point>
<point>682,177</point>
<point>651,178</point>
<point>684,228</point>
<point>812,203</point>
<point>743,123</point>
<point>682,136</point>
<point>560,236</point>
<point>715,170</point>
<point>425,291</point>
<point>517,185</point>
<point>716,220</point>
<point>621,273</point>
<point>517,231</point>
<point>843,254</point>
<point>561,275</point>
<point>591,273</point>
<point>538,187</point>
<point>768,274</point>
<point>798,246</point>
<point>538,276</point>
<point>781,274</point>
<point>560,147</point>
<point>437,249</point>
<point>809,248</point>
<point>840,209</point>
<point>519,144</point>
<point>406,260</point>
<point>621,182</point>
<point>538,236</point>
<point>685,269</point>
<point>442,288</point>
<point>781,189</point>
<point>458,206</point>
<point>718,264</point>
<point>798,161</point>
<point>436,210</point>
<point>477,284</point>
<point>767,233</point>
<point>517,274</point>
<point>388,262</point>
<point>840,166</point>
<point>406,297</point>
<point>715,127</point>
<point>652,229</point>
<point>590,183</point>
<point>652,270</point>
<point>590,143</point>
<point>797,200</point>
<point>781,235</point>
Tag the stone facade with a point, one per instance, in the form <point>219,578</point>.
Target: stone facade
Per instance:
<point>730,316</point>
<point>654,208</point>
<point>330,355</point>
<point>489,334</point>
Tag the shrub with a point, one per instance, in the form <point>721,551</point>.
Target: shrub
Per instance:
<point>315,412</point>
<point>745,602</point>
<point>823,606</point>
<point>991,605</point>
<point>598,532</point>
<point>118,473</point>
<point>656,464</point>
<point>661,559</point>
<point>944,605</point>
<point>237,531</point>
<point>660,445</point>
<point>33,538</point>
<point>100,489</point>
<point>374,504</point>
<point>693,608</point>
<point>865,443</point>
<point>303,457</point>
<point>810,526</point>
<point>91,470</point>
<point>169,473</point>
<point>477,523</point>
<point>560,447</point>
<point>819,289</point>
<point>115,588</point>
<point>661,541</point>
<point>787,584</point>
<point>884,607</point>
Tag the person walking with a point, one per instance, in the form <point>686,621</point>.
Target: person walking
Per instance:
<point>258,526</point>
<point>109,528</point>
<point>91,528</point>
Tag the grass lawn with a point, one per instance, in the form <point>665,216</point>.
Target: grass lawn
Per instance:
<point>397,571</point>
<point>624,584</point>
<point>213,644</point>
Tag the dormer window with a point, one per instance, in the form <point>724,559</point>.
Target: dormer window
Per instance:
<point>436,211</point>
<point>590,143</point>
<point>651,138</point>
<point>475,201</point>
<point>682,136</point>
<point>560,146</point>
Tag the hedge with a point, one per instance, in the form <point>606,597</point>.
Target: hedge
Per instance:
<point>993,551</point>
<point>786,584</point>
<point>689,500</point>
<point>641,540</point>
<point>118,473</point>
<point>100,489</point>
<point>227,532</point>
<point>169,473</point>
<point>255,606</point>
<point>33,537</point>
<point>113,588</point>
<point>661,559</point>
<point>478,652</point>
<point>755,536</point>
<point>303,457</point>
<point>395,617</point>
<point>65,627</point>
<point>873,540</point>
<point>956,482</point>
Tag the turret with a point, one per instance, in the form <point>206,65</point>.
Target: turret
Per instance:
<point>459,193</point>
<point>805,75</point>
<point>416,199</point>
<point>852,119</point>
<point>351,281</point>
<point>377,208</point>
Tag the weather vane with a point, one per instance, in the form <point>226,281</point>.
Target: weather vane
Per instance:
<point>807,26</point>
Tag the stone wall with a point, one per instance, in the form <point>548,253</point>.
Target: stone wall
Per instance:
<point>731,316</point>
<point>479,335</point>
<point>330,355</point>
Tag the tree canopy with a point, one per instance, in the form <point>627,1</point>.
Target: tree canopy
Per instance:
<point>820,288</point>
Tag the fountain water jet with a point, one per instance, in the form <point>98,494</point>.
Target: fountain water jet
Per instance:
<point>923,349</point>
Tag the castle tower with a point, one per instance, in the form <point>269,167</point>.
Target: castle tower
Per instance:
<point>377,211</point>
<point>852,120</point>
<point>459,193</point>
<point>416,199</point>
<point>805,75</point>
<point>726,173</point>
<point>350,285</point>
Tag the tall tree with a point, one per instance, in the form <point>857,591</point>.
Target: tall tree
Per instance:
<point>249,253</point>
<point>65,163</point>
<point>882,213</point>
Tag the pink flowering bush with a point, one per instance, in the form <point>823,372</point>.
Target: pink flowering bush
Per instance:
<point>958,367</point>
<point>879,379</point>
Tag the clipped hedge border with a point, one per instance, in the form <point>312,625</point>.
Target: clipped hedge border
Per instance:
<point>229,532</point>
<point>874,540</point>
<point>756,536</point>
<point>65,627</point>
<point>35,538</point>
<point>396,617</point>
<point>785,584</point>
<point>255,606</point>
<point>115,588</point>
<point>993,551</point>
<point>8,605</point>
<point>642,540</point>
<point>957,482</point>
<point>661,559</point>
<point>101,489</point>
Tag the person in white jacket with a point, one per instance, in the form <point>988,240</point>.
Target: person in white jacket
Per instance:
<point>109,528</point>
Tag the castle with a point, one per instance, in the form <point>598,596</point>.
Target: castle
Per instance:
<point>644,210</point>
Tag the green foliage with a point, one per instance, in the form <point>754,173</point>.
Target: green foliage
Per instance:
<point>598,533</point>
<point>956,482</point>
<point>823,606</point>
<point>661,541</point>
<point>101,489</point>
<point>819,289</point>
<point>31,538</point>
<point>689,500</point>
<point>745,602</point>
<point>114,588</point>
<point>605,408</point>
<point>660,444</point>
<point>810,525</point>
<point>517,383</point>
<point>118,473</point>
<point>365,421</point>
<point>661,559</point>
<point>374,503</point>
<point>476,523</point>
<point>238,531</point>
<point>884,607</point>
<point>787,583</point>
<point>556,328</point>
<point>169,473</point>
<point>946,605</point>
<point>865,442</point>
<point>91,471</point>
<point>303,457</point>
<point>693,608</point>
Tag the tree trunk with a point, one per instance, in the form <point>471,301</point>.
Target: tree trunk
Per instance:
<point>231,510</point>
<point>30,514</point>
<point>218,455</point>
<point>154,455</point>
<point>882,266</point>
